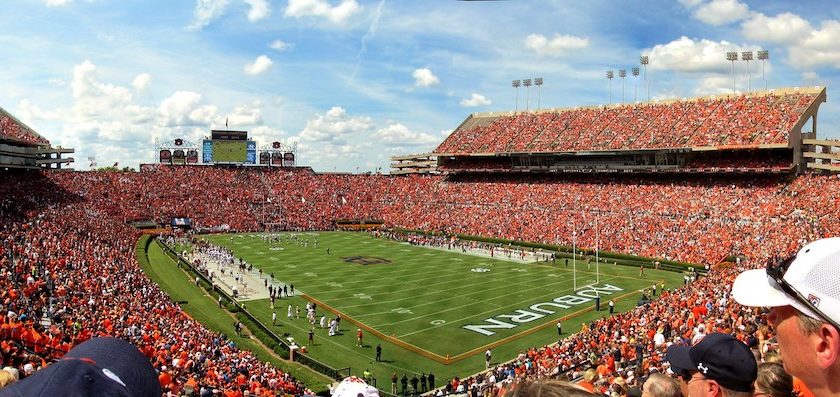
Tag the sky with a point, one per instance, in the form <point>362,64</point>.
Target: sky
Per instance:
<point>350,83</point>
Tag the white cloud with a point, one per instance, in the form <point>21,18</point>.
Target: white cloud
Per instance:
<point>322,9</point>
<point>810,76</point>
<point>265,135</point>
<point>30,113</point>
<point>259,9</point>
<point>722,12</point>
<point>714,85</point>
<point>691,3</point>
<point>807,47</point>
<point>557,46</point>
<point>818,49</point>
<point>689,55</point>
<point>141,81</point>
<point>246,115</point>
<point>260,65</point>
<point>785,28</point>
<point>424,77</point>
<point>475,100</point>
<point>92,97</point>
<point>58,3</point>
<point>207,11</point>
<point>398,134</point>
<point>183,108</point>
<point>279,45</point>
<point>335,126</point>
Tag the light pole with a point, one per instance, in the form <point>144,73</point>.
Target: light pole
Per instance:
<point>538,81</point>
<point>645,60</point>
<point>610,76</point>
<point>527,84</point>
<point>622,73</point>
<point>763,55</point>
<point>516,88</point>
<point>748,56</point>
<point>635,72</point>
<point>732,56</point>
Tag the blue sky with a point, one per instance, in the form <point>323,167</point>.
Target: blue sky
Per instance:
<point>353,82</point>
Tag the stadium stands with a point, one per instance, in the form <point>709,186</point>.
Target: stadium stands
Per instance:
<point>11,128</point>
<point>743,120</point>
<point>69,240</point>
<point>70,272</point>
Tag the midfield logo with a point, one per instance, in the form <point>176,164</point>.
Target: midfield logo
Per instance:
<point>365,260</point>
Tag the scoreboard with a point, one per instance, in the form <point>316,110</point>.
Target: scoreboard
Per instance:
<point>229,147</point>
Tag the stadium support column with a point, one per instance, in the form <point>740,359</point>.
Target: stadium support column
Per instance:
<point>732,56</point>
<point>622,73</point>
<point>515,85</point>
<point>645,60</point>
<point>527,84</point>
<point>635,72</point>
<point>763,56</point>
<point>748,56</point>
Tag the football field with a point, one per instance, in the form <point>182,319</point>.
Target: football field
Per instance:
<point>428,308</point>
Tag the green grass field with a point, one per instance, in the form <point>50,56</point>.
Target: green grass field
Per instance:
<point>432,310</point>
<point>195,301</point>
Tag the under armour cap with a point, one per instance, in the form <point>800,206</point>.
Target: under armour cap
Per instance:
<point>719,357</point>
<point>813,273</point>
<point>96,367</point>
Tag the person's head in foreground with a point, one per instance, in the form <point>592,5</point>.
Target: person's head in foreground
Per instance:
<point>718,365</point>
<point>773,381</point>
<point>803,294</point>
<point>97,367</point>
<point>548,388</point>
<point>660,385</point>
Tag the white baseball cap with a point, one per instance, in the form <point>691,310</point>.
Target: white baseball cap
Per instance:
<point>813,273</point>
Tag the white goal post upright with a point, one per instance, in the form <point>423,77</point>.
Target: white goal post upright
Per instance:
<point>574,256</point>
<point>597,262</point>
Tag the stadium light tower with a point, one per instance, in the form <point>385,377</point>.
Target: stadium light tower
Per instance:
<point>610,76</point>
<point>748,56</point>
<point>763,55</point>
<point>645,60</point>
<point>515,85</point>
<point>635,72</point>
<point>622,73</point>
<point>527,84</point>
<point>538,81</point>
<point>732,56</point>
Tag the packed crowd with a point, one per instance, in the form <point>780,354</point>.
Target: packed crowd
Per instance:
<point>11,129</point>
<point>731,121</point>
<point>70,272</point>
<point>695,219</point>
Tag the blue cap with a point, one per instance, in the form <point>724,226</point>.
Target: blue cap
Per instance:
<point>719,357</point>
<point>96,367</point>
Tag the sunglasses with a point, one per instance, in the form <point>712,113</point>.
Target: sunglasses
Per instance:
<point>776,269</point>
